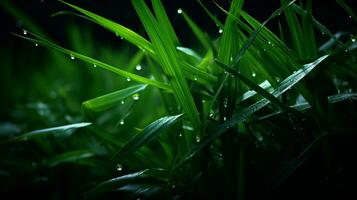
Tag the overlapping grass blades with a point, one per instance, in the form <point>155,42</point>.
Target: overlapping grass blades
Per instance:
<point>167,56</point>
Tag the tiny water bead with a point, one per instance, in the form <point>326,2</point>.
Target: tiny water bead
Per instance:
<point>119,167</point>
<point>136,97</point>
<point>224,118</point>
<point>179,11</point>
<point>254,74</point>
<point>180,135</point>
<point>353,39</point>
<point>121,122</point>
<point>128,79</point>
<point>122,102</point>
<point>24,32</point>
<point>138,67</point>
<point>195,78</point>
<point>36,45</point>
<point>94,65</point>
<point>220,30</point>
<point>72,57</point>
<point>198,138</point>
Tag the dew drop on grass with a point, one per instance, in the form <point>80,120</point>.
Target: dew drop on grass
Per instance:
<point>220,30</point>
<point>180,135</point>
<point>353,39</point>
<point>269,42</point>
<point>179,11</point>
<point>121,122</point>
<point>350,16</point>
<point>94,65</point>
<point>36,45</point>
<point>135,97</point>
<point>198,138</point>
<point>24,32</point>
<point>122,102</point>
<point>119,167</point>
<point>138,67</point>
<point>128,79</point>
<point>224,118</point>
<point>195,78</point>
<point>72,57</point>
<point>254,74</point>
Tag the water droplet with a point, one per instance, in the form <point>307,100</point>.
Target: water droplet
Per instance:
<point>231,58</point>
<point>346,50</point>
<point>180,135</point>
<point>179,11</point>
<point>350,17</point>
<point>94,65</point>
<point>211,114</point>
<point>121,38</point>
<point>36,45</point>
<point>198,138</point>
<point>122,102</point>
<point>136,97</point>
<point>220,30</point>
<point>119,167</point>
<point>224,118</point>
<point>353,39</point>
<point>195,78</point>
<point>72,57</point>
<point>260,138</point>
<point>24,32</point>
<point>173,186</point>
<point>128,79</point>
<point>138,67</point>
<point>264,50</point>
<point>254,74</point>
<point>121,122</point>
<point>117,34</point>
<point>269,42</point>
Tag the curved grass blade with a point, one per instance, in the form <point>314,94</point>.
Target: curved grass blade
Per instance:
<point>98,63</point>
<point>118,29</point>
<point>68,157</point>
<point>245,113</point>
<point>107,101</point>
<point>60,130</point>
<point>147,135</point>
<point>156,176</point>
<point>168,59</point>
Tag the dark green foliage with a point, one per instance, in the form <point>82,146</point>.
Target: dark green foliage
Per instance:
<point>240,114</point>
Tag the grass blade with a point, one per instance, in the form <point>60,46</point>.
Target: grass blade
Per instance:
<point>60,130</point>
<point>118,29</point>
<point>97,63</point>
<point>107,101</point>
<point>144,176</point>
<point>147,135</point>
<point>168,59</point>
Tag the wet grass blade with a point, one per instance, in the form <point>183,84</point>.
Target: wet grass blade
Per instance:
<point>168,59</point>
<point>144,176</point>
<point>104,102</point>
<point>116,28</point>
<point>59,130</point>
<point>97,63</point>
<point>147,135</point>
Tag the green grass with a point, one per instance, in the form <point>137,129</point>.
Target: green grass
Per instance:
<point>159,120</point>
